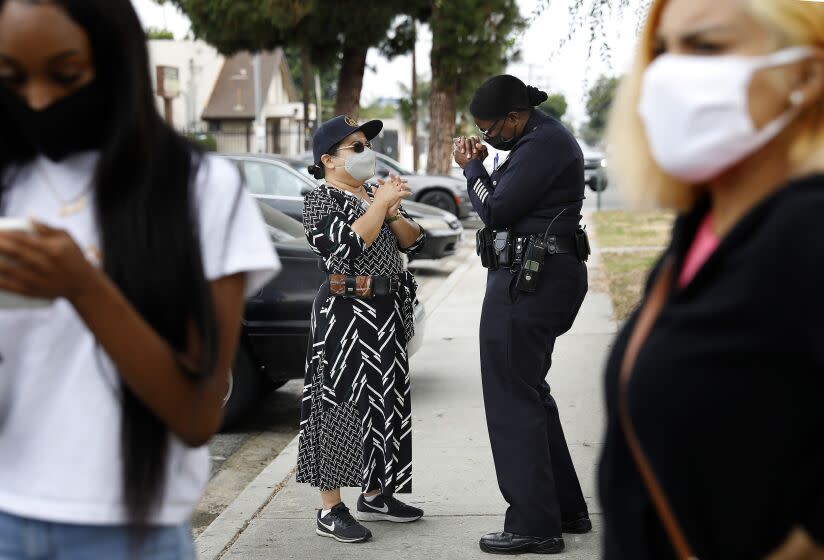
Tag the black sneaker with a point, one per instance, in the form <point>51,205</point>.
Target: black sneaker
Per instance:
<point>387,508</point>
<point>339,524</point>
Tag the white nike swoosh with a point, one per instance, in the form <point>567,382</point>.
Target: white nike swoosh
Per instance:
<point>329,527</point>
<point>384,509</point>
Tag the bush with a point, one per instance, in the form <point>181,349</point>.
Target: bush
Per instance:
<point>156,33</point>
<point>205,140</point>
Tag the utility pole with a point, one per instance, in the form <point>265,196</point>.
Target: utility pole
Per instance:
<point>530,66</point>
<point>306,64</point>
<point>259,128</point>
<point>413,122</point>
<point>192,112</point>
<point>319,101</point>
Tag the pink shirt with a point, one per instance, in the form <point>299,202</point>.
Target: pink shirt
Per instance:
<point>704,244</point>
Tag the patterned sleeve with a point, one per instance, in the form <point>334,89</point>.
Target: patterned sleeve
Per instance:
<point>419,242</point>
<point>327,228</point>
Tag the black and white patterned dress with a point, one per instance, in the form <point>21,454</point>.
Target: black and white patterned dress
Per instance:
<point>356,416</point>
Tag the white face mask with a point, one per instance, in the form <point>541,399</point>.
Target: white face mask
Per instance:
<point>696,111</point>
<point>361,166</point>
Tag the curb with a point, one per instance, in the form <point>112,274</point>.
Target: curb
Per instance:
<point>222,533</point>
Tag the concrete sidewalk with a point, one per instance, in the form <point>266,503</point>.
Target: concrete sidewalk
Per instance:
<point>454,477</point>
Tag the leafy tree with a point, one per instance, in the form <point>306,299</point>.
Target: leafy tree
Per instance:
<point>471,41</point>
<point>328,81</point>
<point>406,105</point>
<point>402,39</point>
<point>599,101</point>
<point>329,33</point>
<point>162,34</point>
<point>592,16</point>
<point>236,25</point>
<point>379,110</point>
<point>556,106</point>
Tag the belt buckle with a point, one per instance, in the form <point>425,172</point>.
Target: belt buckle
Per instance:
<point>394,284</point>
<point>351,286</point>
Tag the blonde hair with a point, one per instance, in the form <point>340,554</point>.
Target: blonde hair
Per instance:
<point>792,22</point>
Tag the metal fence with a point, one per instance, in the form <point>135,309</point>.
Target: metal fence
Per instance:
<point>285,142</point>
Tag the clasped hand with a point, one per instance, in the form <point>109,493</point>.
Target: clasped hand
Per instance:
<point>391,192</point>
<point>468,149</point>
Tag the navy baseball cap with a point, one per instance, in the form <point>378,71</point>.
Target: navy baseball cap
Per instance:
<point>334,130</point>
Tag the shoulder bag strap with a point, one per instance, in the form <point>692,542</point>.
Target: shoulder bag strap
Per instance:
<point>646,319</point>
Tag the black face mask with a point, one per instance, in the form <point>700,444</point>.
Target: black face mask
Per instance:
<point>71,124</point>
<point>499,142</point>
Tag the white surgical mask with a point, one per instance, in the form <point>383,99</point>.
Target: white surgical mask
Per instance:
<point>361,166</point>
<point>696,111</point>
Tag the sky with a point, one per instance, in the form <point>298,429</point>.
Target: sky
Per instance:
<point>568,70</point>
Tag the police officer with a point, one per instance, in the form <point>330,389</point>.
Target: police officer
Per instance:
<point>535,250</point>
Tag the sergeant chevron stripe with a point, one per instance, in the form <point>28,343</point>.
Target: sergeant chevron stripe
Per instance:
<point>480,190</point>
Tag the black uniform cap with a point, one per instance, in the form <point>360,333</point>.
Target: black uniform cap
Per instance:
<point>503,94</point>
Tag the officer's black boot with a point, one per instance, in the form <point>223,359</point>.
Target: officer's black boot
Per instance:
<point>507,543</point>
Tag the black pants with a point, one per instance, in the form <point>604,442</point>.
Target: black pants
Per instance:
<point>518,331</point>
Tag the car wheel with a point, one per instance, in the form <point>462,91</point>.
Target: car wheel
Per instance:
<point>440,199</point>
<point>244,385</point>
<point>598,186</point>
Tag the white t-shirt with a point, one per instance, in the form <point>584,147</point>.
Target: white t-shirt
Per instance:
<point>60,452</point>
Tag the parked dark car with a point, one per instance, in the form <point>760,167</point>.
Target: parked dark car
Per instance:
<point>275,327</point>
<point>279,182</point>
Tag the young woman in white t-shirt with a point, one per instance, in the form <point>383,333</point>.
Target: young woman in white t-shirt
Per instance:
<point>143,250</point>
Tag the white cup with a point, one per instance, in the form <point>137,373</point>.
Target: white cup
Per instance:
<point>7,299</point>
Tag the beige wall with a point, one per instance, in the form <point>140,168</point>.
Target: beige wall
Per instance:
<point>181,54</point>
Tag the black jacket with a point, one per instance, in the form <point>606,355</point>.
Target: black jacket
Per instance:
<point>543,175</point>
<point>728,392</point>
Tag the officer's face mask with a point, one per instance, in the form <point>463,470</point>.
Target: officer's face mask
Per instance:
<point>498,141</point>
<point>71,124</point>
<point>361,165</point>
<point>695,110</point>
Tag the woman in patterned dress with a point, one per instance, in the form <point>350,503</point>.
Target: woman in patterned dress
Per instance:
<point>355,427</point>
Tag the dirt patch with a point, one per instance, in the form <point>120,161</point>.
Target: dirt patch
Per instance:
<point>626,275</point>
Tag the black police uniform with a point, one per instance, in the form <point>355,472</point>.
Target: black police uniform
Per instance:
<point>542,180</point>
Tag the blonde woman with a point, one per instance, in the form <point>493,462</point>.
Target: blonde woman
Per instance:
<point>715,445</point>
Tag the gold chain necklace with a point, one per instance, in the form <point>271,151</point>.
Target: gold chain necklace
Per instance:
<point>68,207</point>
